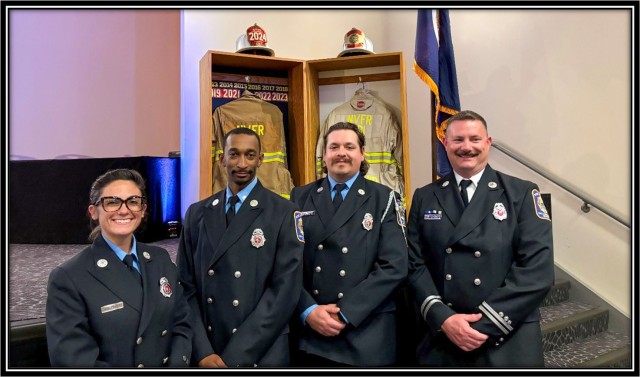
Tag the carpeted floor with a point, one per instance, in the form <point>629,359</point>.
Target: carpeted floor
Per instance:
<point>29,268</point>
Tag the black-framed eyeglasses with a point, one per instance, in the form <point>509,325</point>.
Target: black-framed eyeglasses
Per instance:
<point>135,203</point>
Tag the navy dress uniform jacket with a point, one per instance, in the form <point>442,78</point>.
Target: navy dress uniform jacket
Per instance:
<point>241,294</point>
<point>98,315</point>
<point>478,261</point>
<point>356,268</point>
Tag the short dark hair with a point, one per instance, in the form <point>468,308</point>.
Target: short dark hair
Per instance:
<point>466,115</point>
<point>364,167</point>
<point>241,131</point>
<point>105,179</point>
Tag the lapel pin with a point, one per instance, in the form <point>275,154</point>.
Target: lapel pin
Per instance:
<point>319,189</point>
<point>215,202</point>
<point>102,263</point>
<point>253,203</point>
<point>361,191</point>
<point>492,185</point>
<point>445,184</point>
<point>146,255</point>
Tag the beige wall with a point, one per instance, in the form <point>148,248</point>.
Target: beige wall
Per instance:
<point>99,83</point>
<point>552,84</point>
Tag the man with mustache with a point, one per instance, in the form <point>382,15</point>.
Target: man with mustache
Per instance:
<point>355,256</point>
<point>480,258</point>
<point>240,262</point>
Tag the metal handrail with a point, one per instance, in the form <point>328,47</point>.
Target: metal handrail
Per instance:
<point>587,200</point>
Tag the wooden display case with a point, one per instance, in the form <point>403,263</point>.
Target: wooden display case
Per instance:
<point>215,63</point>
<point>306,81</point>
<point>347,71</point>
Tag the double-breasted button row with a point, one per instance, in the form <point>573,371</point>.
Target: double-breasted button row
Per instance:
<point>476,281</point>
<point>476,254</point>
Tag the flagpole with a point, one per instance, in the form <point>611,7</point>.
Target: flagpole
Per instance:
<point>434,141</point>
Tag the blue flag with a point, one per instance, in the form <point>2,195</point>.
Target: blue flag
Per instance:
<point>435,64</point>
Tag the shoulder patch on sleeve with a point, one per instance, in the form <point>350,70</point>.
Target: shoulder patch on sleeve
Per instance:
<point>538,204</point>
<point>297,220</point>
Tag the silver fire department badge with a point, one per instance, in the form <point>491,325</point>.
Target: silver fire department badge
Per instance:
<point>257,238</point>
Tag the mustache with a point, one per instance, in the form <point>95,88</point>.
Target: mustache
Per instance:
<point>337,160</point>
<point>242,171</point>
<point>466,154</point>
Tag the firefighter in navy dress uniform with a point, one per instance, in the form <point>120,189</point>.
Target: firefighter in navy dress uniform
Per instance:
<point>355,257</point>
<point>240,280</point>
<point>479,272</point>
<point>102,312</point>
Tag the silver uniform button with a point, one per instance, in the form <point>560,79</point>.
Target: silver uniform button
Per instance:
<point>318,269</point>
<point>477,282</point>
<point>449,250</point>
<point>235,303</point>
<point>209,328</point>
<point>139,340</point>
<point>164,332</point>
<point>209,300</point>
<point>234,330</point>
<point>477,254</point>
<point>315,292</point>
<point>140,365</point>
<point>345,250</point>
<point>343,272</point>
<point>211,272</point>
<point>164,361</point>
<point>502,339</point>
<point>184,358</point>
<point>320,247</point>
<point>340,295</point>
<point>506,317</point>
<point>449,304</point>
<point>501,314</point>
<point>237,274</point>
<point>447,276</point>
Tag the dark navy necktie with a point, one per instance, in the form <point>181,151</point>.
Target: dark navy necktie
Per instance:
<point>337,199</point>
<point>231,213</point>
<point>463,191</point>
<point>128,261</point>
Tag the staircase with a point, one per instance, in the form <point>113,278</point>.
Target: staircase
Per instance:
<point>576,335</point>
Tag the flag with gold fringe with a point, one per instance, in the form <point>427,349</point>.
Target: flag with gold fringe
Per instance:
<point>435,65</point>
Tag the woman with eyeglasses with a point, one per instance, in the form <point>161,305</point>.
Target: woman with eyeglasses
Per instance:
<point>117,303</point>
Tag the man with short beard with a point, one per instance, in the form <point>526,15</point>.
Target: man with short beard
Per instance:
<point>480,258</point>
<point>355,256</point>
